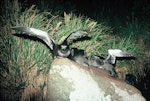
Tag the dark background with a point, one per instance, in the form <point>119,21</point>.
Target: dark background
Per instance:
<point>95,8</point>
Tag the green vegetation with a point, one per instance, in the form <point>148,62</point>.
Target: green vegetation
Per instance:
<point>18,55</point>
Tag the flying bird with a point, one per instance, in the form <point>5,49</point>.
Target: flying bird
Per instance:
<point>58,50</point>
<point>108,63</point>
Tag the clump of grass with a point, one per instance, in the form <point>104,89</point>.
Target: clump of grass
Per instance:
<point>97,32</point>
<point>18,55</point>
<point>138,33</point>
<point>132,35</point>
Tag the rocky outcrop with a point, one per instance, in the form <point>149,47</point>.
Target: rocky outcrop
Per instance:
<point>69,81</point>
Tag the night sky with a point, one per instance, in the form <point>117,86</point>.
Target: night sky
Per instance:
<point>93,8</point>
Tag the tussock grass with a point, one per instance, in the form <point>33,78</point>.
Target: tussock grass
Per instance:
<point>19,56</point>
<point>132,35</point>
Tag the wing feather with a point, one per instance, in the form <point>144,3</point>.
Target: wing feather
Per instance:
<point>78,33</point>
<point>119,53</point>
<point>37,33</point>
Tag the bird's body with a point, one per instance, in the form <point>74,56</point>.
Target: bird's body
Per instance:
<point>108,64</point>
<point>61,51</point>
<point>79,56</point>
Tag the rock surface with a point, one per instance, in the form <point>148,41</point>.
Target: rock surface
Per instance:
<point>69,81</point>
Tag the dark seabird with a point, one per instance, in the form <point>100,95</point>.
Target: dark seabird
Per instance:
<point>108,64</point>
<point>79,56</point>
<point>58,50</point>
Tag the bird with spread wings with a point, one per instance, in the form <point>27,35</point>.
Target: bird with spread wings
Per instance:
<point>109,62</point>
<point>58,50</point>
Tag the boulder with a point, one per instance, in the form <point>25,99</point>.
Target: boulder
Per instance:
<point>70,81</point>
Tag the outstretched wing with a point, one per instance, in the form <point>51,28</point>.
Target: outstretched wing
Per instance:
<point>119,53</point>
<point>113,53</point>
<point>78,33</point>
<point>37,33</point>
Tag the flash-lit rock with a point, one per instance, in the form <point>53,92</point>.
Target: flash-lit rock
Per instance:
<point>69,81</point>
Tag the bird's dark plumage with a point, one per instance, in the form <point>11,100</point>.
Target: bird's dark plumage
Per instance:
<point>79,56</point>
<point>62,50</point>
<point>109,63</point>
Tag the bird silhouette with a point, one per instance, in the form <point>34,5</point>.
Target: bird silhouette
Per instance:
<point>108,63</point>
<point>79,56</point>
<point>58,50</point>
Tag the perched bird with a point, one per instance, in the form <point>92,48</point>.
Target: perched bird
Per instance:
<point>79,56</point>
<point>108,64</point>
<point>58,50</point>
